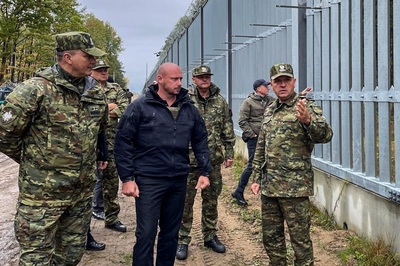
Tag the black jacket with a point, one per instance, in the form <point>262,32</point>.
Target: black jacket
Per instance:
<point>150,142</point>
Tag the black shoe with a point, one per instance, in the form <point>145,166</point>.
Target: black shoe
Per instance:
<point>239,198</point>
<point>117,226</point>
<point>215,245</point>
<point>98,215</point>
<point>95,246</point>
<point>182,252</point>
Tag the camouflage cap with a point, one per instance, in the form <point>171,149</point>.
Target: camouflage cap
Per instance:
<point>77,40</point>
<point>281,70</point>
<point>201,70</point>
<point>100,63</point>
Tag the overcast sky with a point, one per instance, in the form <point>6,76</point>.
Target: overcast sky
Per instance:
<point>143,26</point>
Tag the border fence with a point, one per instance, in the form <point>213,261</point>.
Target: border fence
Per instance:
<point>347,50</point>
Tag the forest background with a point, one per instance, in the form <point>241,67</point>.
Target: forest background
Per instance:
<point>27,28</point>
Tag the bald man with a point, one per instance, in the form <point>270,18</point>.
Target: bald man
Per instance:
<point>152,157</point>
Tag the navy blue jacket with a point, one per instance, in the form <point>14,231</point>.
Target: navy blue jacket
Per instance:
<point>150,142</point>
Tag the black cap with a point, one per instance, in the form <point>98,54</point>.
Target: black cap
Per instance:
<point>260,82</point>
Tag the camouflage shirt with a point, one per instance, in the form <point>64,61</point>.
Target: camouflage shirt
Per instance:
<point>218,119</point>
<point>282,160</point>
<point>114,94</point>
<point>51,130</point>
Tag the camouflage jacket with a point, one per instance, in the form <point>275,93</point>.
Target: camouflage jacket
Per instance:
<point>218,118</point>
<point>251,114</point>
<point>114,94</point>
<point>51,130</point>
<point>282,160</point>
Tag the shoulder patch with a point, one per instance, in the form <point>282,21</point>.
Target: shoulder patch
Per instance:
<point>8,116</point>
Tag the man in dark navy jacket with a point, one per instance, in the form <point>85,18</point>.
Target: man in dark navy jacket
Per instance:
<point>152,157</point>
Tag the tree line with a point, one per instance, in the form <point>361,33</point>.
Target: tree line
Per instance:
<point>26,36</point>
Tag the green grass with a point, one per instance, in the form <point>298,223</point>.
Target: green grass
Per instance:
<point>363,252</point>
<point>239,163</point>
<point>323,219</point>
<point>249,215</point>
<point>127,258</point>
<point>359,252</point>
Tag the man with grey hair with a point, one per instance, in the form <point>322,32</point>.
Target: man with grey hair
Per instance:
<point>292,125</point>
<point>50,125</point>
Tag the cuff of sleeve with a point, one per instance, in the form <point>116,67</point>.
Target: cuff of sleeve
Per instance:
<point>117,111</point>
<point>257,178</point>
<point>307,128</point>
<point>205,174</point>
<point>128,179</point>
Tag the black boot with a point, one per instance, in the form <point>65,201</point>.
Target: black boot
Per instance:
<point>182,252</point>
<point>95,246</point>
<point>117,226</point>
<point>215,245</point>
<point>239,198</point>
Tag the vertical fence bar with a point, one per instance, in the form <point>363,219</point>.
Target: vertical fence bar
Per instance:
<point>335,82</point>
<point>310,47</point>
<point>369,86</point>
<point>344,83</point>
<point>326,73</point>
<point>396,84</point>
<point>383,85</point>
<point>317,66</point>
<point>356,66</point>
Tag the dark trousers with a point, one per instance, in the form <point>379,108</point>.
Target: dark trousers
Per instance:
<point>90,237</point>
<point>161,201</point>
<point>244,178</point>
<point>98,201</point>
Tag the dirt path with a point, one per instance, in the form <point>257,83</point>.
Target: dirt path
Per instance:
<point>242,239</point>
<point>9,192</point>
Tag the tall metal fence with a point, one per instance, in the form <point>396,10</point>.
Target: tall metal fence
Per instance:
<point>348,51</point>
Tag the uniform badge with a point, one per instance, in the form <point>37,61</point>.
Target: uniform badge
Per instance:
<point>94,111</point>
<point>7,116</point>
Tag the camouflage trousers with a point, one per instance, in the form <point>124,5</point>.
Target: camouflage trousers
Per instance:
<point>209,210</point>
<point>52,235</point>
<point>110,185</point>
<point>296,212</point>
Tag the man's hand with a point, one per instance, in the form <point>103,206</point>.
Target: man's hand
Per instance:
<point>302,113</point>
<point>255,188</point>
<point>228,163</point>
<point>130,189</point>
<point>111,106</point>
<point>306,90</point>
<point>112,114</point>
<point>102,165</point>
<point>203,182</point>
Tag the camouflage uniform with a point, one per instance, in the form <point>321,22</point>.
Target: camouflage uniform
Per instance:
<point>282,165</point>
<point>50,127</point>
<point>251,115</point>
<point>129,95</point>
<point>221,139</point>
<point>114,94</point>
